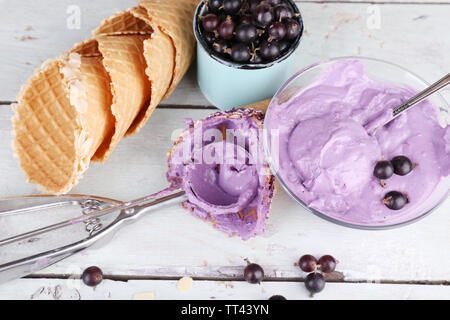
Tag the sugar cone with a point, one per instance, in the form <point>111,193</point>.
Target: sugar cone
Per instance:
<point>175,19</point>
<point>77,108</point>
<point>159,54</point>
<point>260,105</point>
<point>49,137</point>
<point>123,23</point>
<point>87,48</point>
<point>90,95</point>
<point>123,58</point>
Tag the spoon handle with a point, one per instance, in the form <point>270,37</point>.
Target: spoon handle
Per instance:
<point>34,250</point>
<point>421,96</point>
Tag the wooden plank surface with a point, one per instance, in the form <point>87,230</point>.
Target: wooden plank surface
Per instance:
<point>171,243</point>
<point>332,29</point>
<point>58,289</point>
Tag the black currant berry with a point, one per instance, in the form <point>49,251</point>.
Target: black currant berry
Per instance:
<point>253,273</point>
<point>284,45</point>
<point>257,41</point>
<point>214,5</point>
<point>282,12</point>
<point>314,282</point>
<point>246,33</point>
<point>383,170</point>
<point>270,49</point>
<point>273,2</point>
<point>226,28</point>
<point>246,19</point>
<point>395,200</point>
<point>210,22</point>
<point>220,46</point>
<point>263,14</point>
<point>92,276</point>
<point>277,31</point>
<point>293,29</point>
<point>327,264</point>
<point>253,4</point>
<point>307,263</point>
<point>402,165</point>
<point>232,6</point>
<point>240,52</point>
<point>277,297</point>
<point>210,37</point>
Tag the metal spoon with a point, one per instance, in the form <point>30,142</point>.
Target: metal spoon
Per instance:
<point>410,103</point>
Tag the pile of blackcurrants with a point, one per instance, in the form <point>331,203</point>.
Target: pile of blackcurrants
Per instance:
<point>315,281</point>
<point>400,165</point>
<point>250,31</point>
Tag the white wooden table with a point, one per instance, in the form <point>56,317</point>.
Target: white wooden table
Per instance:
<point>151,255</point>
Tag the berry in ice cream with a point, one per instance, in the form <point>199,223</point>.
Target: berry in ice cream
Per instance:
<point>383,170</point>
<point>402,165</point>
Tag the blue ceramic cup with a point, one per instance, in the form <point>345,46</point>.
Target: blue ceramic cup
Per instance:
<point>227,84</point>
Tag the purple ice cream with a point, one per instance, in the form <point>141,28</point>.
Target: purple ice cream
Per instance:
<point>326,157</point>
<point>219,162</point>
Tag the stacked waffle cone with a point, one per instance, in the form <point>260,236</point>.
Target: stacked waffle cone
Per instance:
<point>76,109</point>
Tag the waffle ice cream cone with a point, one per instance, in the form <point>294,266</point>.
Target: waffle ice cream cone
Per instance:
<point>159,54</point>
<point>123,23</point>
<point>123,58</point>
<point>49,138</point>
<point>174,18</point>
<point>90,95</point>
<point>78,107</point>
<point>260,105</point>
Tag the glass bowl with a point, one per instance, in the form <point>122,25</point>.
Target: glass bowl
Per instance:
<point>382,71</point>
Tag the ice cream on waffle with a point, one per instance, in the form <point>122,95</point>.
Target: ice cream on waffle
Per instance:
<point>220,163</point>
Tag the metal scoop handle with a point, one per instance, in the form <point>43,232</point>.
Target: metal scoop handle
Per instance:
<point>438,85</point>
<point>441,83</point>
<point>129,211</point>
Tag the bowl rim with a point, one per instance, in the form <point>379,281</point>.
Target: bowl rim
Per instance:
<point>246,66</point>
<point>297,199</point>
